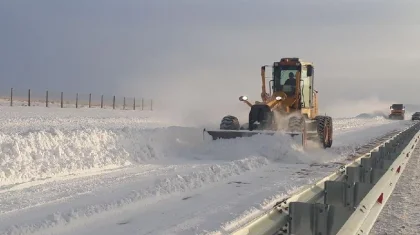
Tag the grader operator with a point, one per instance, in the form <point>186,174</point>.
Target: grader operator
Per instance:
<point>291,106</point>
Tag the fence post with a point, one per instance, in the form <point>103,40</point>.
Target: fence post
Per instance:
<point>62,99</point>
<point>102,101</point>
<point>90,99</point>
<point>134,103</point>
<point>29,97</point>
<point>142,103</point>
<point>113,103</point>
<point>11,96</point>
<point>77,100</point>
<point>151,105</point>
<point>124,104</point>
<point>46,99</point>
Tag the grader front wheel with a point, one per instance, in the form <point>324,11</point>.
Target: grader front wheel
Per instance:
<point>229,122</point>
<point>325,130</point>
<point>298,124</point>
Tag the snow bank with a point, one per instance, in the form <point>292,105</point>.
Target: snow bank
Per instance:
<point>41,154</point>
<point>37,143</point>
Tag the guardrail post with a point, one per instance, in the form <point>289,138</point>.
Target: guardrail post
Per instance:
<point>46,99</point>
<point>90,100</point>
<point>316,218</point>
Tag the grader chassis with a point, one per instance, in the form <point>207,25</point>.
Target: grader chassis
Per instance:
<point>291,99</point>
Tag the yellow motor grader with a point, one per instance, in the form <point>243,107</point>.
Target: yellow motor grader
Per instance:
<point>291,106</point>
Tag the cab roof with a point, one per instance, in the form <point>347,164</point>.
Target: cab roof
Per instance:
<point>296,59</point>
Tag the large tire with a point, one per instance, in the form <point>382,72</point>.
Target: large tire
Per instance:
<point>331,129</point>
<point>325,130</point>
<point>229,122</point>
<point>296,124</point>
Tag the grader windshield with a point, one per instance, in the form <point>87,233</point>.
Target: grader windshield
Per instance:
<point>284,77</point>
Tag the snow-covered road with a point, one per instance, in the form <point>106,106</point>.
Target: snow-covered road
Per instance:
<point>130,172</point>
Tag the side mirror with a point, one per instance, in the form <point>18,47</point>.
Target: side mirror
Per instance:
<point>309,71</point>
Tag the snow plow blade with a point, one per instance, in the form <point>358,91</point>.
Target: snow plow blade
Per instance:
<point>232,134</point>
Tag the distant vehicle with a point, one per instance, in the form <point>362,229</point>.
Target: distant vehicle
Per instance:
<point>397,111</point>
<point>415,116</point>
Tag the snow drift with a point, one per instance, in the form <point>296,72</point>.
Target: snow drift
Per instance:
<point>41,154</point>
<point>34,145</point>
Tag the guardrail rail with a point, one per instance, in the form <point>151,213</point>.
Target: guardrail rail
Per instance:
<point>346,202</point>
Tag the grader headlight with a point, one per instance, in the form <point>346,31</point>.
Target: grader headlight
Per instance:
<point>243,98</point>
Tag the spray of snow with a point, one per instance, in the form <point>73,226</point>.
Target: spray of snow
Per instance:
<point>352,108</point>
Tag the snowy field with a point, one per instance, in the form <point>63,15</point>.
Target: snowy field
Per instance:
<point>93,171</point>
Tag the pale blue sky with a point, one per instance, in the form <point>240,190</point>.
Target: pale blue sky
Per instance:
<point>210,50</point>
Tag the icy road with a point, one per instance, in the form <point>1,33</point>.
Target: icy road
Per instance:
<point>70,171</point>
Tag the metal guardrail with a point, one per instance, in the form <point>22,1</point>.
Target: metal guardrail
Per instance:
<point>345,202</point>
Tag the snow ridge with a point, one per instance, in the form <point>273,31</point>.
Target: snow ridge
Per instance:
<point>40,154</point>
